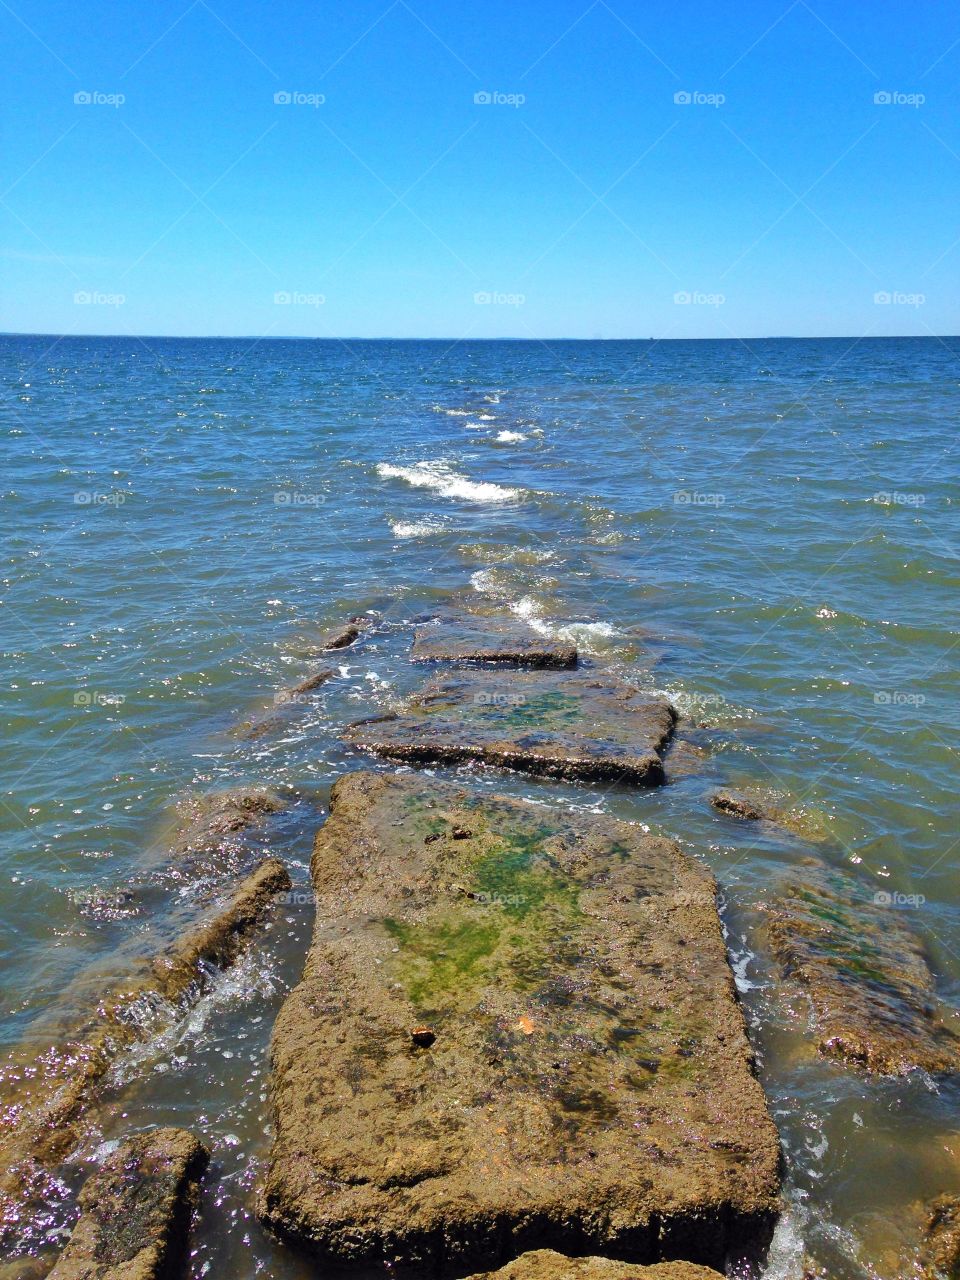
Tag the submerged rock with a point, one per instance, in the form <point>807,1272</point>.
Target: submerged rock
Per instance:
<point>343,636</point>
<point>866,975</point>
<point>589,1085</point>
<point>474,638</point>
<point>46,1091</point>
<point>544,1264</point>
<point>736,806</point>
<point>940,1251</point>
<point>136,1211</point>
<point>206,818</point>
<point>284,707</point>
<point>562,724</point>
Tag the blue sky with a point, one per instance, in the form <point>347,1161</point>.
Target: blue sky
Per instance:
<point>778,195</point>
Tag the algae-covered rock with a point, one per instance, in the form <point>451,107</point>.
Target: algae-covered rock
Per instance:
<point>136,1211</point>
<point>866,975</point>
<point>516,1028</point>
<point>206,819</point>
<point>47,1088</point>
<point>735,805</point>
<point>545,1264</point>
<point>940,1251</point>
<point>341,637</point>
<point>561,724</point>
<point>473,638</point>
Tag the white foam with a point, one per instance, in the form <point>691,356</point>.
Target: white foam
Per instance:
<point>510,437</point>
<point>441,477</point>
<point>416,528</point>
<point>582,634</point>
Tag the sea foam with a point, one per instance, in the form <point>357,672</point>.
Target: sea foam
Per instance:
<point>441,477</point>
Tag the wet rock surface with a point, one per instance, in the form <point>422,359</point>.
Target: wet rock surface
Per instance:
<point>341,637</point>
<point>136,1211</point>
<point>940,1251</point>
<point>866,976</point>
<point>284,708</point>
<point>545,1264</point>
<point>475,638</point>
<point>562,724</point>
<point>735,805</point>
<point>588,1085</point>
<point>46,1089</point>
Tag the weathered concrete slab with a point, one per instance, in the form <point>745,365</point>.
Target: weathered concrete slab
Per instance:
<point>502,639</point>
<point>47,1088</point>
<point>545,1264</point>
<point>517,1028</point>
<point>866,975</point>
<point>561,724</point>
<point>136,1211</point>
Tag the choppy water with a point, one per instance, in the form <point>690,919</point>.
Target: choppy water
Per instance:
<point>774,521</point>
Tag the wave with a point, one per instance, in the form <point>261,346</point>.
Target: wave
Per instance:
<point>416,528</point>
<point>441,477</point>
<point>510,437</point>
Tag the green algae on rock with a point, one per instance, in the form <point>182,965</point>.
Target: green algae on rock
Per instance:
<point>561,724</point>
<point>866,976</point>
<point>940,1250</point>
<point>477,638</point>
<point>545,1264</point>
<point>581,1078</point>
<point>136,1211</point>
<point>48,1086</point>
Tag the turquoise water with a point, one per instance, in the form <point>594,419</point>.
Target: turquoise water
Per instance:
<point>768,530</point>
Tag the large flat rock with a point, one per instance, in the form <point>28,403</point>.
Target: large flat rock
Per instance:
<point>476,638</point>
<point>571,724</point>
<point>865,973</point>
<point>136,1211</point>
<point>516,1028</point>
<point>545,1264</point>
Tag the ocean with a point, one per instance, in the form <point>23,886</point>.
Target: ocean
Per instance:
<point>764,530</point>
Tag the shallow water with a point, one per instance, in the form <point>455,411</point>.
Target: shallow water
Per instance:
<point>768,530</point>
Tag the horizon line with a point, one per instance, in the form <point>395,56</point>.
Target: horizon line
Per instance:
<point>385,337</point>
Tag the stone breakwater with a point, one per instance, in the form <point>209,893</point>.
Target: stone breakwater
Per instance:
<point>516,1042</point>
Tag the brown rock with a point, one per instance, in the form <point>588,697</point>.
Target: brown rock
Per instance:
<point>866,975</point>
<point>345,635</point>
<point>544,1264</point>
<point>590,1086</point>
<point>136,1211</point>
<point>561,724</point>
<point>286,704</point>
<point>476,638</point>
<point>736,806</point>
<point>940,1251</point>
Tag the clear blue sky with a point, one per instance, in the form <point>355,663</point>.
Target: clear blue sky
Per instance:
<point>782,200</point>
